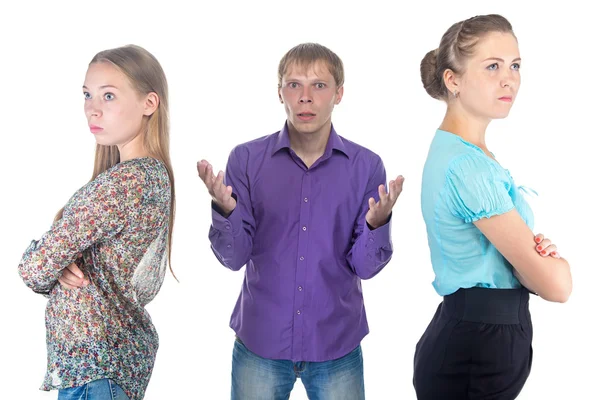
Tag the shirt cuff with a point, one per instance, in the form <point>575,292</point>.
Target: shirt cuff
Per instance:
<point>232,223</point>
<point>379,237</point>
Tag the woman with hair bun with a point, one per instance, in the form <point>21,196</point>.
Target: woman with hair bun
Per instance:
<point>485,257</point>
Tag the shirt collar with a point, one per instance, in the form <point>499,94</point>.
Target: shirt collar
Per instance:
<point>334,142</point>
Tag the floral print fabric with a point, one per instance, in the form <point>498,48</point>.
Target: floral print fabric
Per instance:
<point>116,229</point>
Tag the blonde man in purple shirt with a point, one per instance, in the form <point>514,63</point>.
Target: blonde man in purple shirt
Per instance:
<point>308,212</point>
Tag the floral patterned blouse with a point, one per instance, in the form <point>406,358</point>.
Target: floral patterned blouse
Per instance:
<point>118,223</point>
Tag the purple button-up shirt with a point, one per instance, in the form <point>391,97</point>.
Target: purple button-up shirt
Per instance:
<point>302,234</point>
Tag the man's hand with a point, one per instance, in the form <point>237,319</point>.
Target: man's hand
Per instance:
<point>220,193</point>
<point>380,211</point>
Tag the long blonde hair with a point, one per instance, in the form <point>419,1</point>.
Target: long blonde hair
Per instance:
<point>146,76</point>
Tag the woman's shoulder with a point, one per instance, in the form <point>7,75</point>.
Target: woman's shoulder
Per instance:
<point>466,163</point>
<point>140,171</point>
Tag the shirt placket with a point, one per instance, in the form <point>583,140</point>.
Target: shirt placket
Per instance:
<point>301,265</point>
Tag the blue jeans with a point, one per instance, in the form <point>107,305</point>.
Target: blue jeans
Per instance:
<point>257,378</point>
<point>102,389</point>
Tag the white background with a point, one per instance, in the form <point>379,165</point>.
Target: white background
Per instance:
<point>221,63</point>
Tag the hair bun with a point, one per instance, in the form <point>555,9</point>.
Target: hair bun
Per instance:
<point>431,81</point>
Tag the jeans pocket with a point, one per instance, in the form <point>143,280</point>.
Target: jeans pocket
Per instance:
<point>73,393</point>
<point>116,391</point>
<point>113,388</point>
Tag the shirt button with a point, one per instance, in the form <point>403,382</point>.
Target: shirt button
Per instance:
<point>227,227</point>
<point>306,199</point>
<point>304,228</point>
<point>301,258</point>
<point>298,312</point>
<point>299,288</point>
<point>228,246</point>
